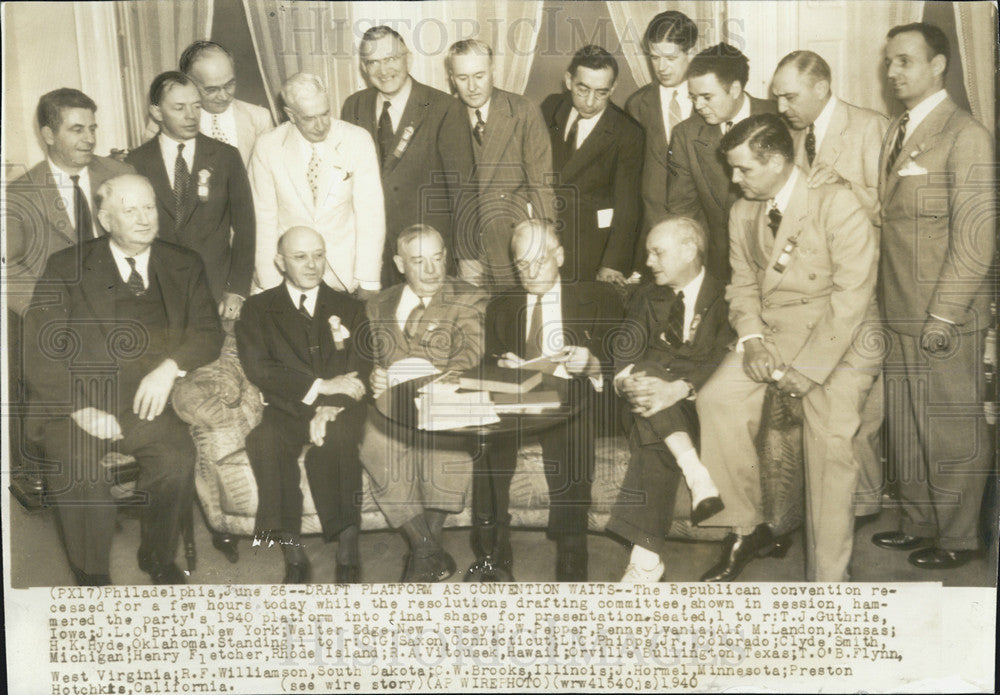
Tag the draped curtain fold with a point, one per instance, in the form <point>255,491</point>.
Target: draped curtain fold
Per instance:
<point>153,36</point>
<point>976,24</point>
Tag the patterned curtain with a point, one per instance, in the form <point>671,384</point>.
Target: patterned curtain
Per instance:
<point>976,23</point>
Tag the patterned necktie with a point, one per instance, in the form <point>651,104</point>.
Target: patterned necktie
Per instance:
<point>674,116</point>
<point>897,146</point>
<point>480,128</point>
<point>571,136</point>
<point>810,144</point>
<point>774,219</point>
<point>84,227</point>
<point>413,320</point>
<point>385,134</point>
<point>312,172</point>
<point>675,321</point>
<point>533,348</point>
<point>217,132</point>
<point>135,284</point>
<point>302,306</point>
<point>181,178</point>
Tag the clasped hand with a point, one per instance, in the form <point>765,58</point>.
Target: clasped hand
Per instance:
<point>348,384</point>
<point>649,395</point>
<point>759,364</point>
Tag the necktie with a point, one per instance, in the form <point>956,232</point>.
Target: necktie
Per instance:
<point>217,132</point>
<point>810,144</point>
<point>675,321</point>
<point>533,348</point>
<point>897,146</point>
<point>312,173</point>
<point>135,284</point>
<point>84,227</point>
<point>674,116</point>
<point>302,306</point>
<point>727,127</point>
<point>480,129</point>
<point>571,136</point>
<point>181,178</point>
<point>385,134</point>
<point>774,219</point>
<point>413,320</point>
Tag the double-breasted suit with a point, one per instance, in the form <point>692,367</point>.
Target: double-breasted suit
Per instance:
<point>498,184</point>
<point>938,243</point>
<point>283,353</point>
<point>96,341</point>
<point>644,508</point>
<point>410,170</point>
<point>699,184</point>
<point>812,312</point>
<point>217,219</point>
<point>601,222</point>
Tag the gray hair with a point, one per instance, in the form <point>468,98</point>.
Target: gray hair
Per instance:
<point>414,231</point>
<point>107,189</point>
<point>299,85</point>
<point>465,47</point>
<point>684,230</point>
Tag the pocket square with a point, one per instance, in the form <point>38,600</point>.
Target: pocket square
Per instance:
<point>912,169</point>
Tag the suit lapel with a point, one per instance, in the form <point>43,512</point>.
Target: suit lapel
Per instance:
<point>172,292</point>
<point>499,129</point>
<point>706,146</point>
<point>829,149</point>
<point>409,124</point>
<point>100,276</point>
<point>204,160</point>
<point>792,221</point>
<point>56,213</point>
<point>557,129</point>
<point>654,107</point>
<point>158,175</point>
<point>707,295</point>
<point>596,143</point>
<point>296,169</point>
<point>922,139</point>
<point>289,323</point>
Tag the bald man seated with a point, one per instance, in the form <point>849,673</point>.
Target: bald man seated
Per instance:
<point>299,344</point>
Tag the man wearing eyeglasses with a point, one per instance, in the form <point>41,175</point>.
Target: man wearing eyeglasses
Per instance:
<point>597,151</point>
<point>223,117</point>
<point>404,117</point>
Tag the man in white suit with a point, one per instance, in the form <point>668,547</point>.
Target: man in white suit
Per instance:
<point>319,172</point>
<point>223,117</point>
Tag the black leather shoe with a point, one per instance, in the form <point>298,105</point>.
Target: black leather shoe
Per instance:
<point>167,574</point>
<point>297,572</point>
<point>940,559</point>
<point>429,568</point>
<point>85,579</point>
<point>488,568</point>
<point>897,540</point>
<point>348,574</point>
<point>738,551</point>
<point>710,506</point>
<point>571,567</point>
<point>227,545</point>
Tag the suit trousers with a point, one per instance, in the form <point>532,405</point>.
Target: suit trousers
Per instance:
<point>333,471</point>
<point>412,471</point>
<point>868,451</point>
<point>80,486</point>
<point>729,411</point>
<point>645,506</point>
<point>941,446</point>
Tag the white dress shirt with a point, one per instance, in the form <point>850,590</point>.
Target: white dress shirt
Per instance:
<point>226,121</point>
<point>124,269</point>
<point>397,104</point>
<point>919,112</point>
<point>484,110</point>
<point>743,113</point>
<point>408,301</point>
<point>310,305</point>
<point>553,339</point>
<point>168,148</point>
<point>64,184</point>
<point>822,122</point>
<point>585,127</point>
<point>683,99</point>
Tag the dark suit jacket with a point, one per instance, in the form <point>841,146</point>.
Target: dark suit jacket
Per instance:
<point>696,359</point>
<point>449,336</point>
<point>604,174</point>
<point>699,183</point>
<point>591,314</point>
<point>506,175</point>
<point>644,106</point>
<point>205,224</point>
<point>409,169</point>
<point>73,321</point>
<point>37,224</point>
<point>278,356</point>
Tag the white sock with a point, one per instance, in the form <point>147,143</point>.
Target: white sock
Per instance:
<point>643,558</point>
<point>697,477</point>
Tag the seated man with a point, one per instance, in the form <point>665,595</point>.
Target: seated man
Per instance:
<point>568,323</point>
<point>117,321</point>
<point>683,322</point>
<point>298,344</point>
<point>418,479</point>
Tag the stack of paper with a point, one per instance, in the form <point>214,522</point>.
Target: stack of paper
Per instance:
<point>441,409</point>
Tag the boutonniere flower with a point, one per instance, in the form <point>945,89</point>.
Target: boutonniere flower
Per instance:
<point>695,322</point>
<point>204,175</point>
<point>344,173</point>
<point>404,142</point>
<point>339,332</point>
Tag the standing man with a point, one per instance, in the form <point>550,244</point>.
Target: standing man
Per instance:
<point>685,333</point>
<point>125,292</point>
<point>498,145</point>
<point>223,117</point>
<point>298,343</point>
<point>596,150</point>
<point>698,179</point>
<point>322,173</point>
<point>803,288</point>
<point>938,239</point>
<point>404,118</point>
<point>568,323</point>
<point>836,142</point>
<point>418,479</point>
<point>202,192</point>
<point>660,107</point>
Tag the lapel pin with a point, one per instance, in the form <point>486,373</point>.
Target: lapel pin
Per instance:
<point>203,178</point>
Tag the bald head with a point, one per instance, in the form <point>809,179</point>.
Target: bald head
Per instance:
<point>537,254</point>
<point>301,257</point>
<point>676,247</point>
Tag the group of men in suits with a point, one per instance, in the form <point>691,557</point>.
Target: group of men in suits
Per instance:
<point>760,223</point>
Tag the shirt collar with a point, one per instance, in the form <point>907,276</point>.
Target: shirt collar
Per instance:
<point>667,93</point>
<point>744,111</point>
<point>124,268</point>
<point>225,117</point>
<point>783,196</point>
<point>692,289</point>
<point>398,100</point>
<point>552,296</point>
<point>296,293</point>
<point>63,176</point>
<point>919,112</point>
<point>169,146</point>
<point>484,110</point>
<point>822,122</point>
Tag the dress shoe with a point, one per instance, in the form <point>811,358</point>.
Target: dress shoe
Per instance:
<point>897,540</point>
<point>167,574</point>
<point>227,545</point>
<point>710,506</point>
<point>941,559</point>
<point>296,572</point>
<point>487,568</point>
<point>738,551</point>
<point>862,520</point>
<point>86,579</point>
<point>634,574</point>
<point>348,574</point>
<point>429,567</point>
